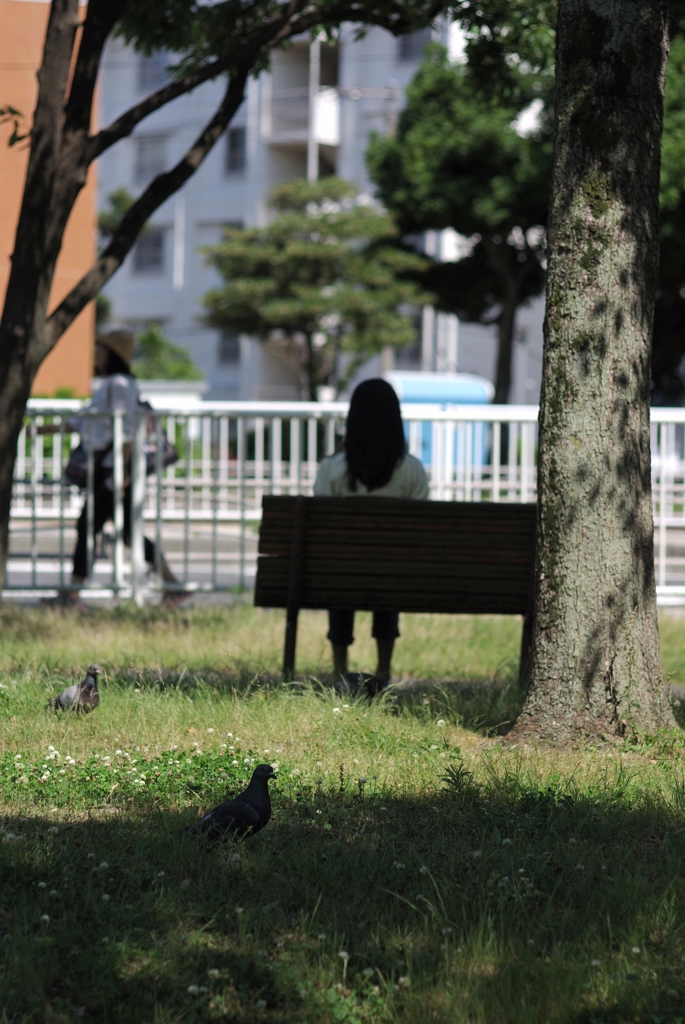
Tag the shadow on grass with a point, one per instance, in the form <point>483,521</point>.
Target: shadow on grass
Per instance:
<point>502,902</point>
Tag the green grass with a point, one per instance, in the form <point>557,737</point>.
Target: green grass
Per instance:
<point>465,881</point>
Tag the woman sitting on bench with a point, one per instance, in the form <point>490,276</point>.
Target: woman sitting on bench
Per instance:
<point>374,461</point>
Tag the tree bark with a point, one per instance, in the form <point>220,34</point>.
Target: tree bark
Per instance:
<point>596,664</point>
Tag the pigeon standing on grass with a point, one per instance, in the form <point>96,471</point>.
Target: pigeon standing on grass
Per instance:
<point>244,815</point>
<point>81,696</point>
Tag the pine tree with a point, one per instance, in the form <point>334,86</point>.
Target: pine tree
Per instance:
<point>325,277</point>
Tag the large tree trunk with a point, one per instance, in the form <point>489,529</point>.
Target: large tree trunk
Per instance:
<point>596,664</point>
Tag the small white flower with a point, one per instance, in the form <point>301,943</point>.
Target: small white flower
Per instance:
<point>160,874</point>
<point>344,955</point>
<point>441,721</point>
<point>42,885</point>
<point>235,764</point>
<point>10,837</point>
<point>506,842</point>
<point>336,711</point>
<point>103,865</point>
<point>261,1004</point>
<point>383,808</point>
<point>209,729</point>
<point>236,858</point>
<point>346,707</point>
<point>213,973</point>
<point>404,981</point>
<point>446,931</point>
<point>362,779</point>
<point>90,856</point>
<point>423,870</point>
<point>53,892</point>
<point>595,963</point>
<point>635,949</point>
<point>319,764</point>
<point>45,918</point>
<point>398,864</point>
<point>572,840</point>
<point>321,937</point>
<point>17,757</point>
<point>477,853</point>
<point>105,897</point>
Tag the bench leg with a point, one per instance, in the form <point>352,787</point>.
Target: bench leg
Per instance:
<point>526,644</point>
<point>290,643</point>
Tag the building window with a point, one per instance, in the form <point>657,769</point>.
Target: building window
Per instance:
<point>236,150</point>
<point>148,253</point>
<point>411,46</point>
<point>152,73</point>
<point>150,157</point>
<point>229,348</point>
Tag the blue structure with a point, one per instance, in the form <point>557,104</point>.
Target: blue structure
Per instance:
<point>444,390</point>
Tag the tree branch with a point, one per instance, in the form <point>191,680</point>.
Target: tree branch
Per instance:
<point>124,125</point>
<point>101,17</point>
<point>159,190</point>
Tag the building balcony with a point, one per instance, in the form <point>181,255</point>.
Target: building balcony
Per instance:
<point>285,117</point>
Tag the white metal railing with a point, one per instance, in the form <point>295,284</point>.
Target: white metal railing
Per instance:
<point>203,510</point>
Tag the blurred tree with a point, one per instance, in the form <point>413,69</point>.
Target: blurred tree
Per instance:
<point>460,160</point>
<point>157,358</point>
<point>325,276</point>
<point>668,342</point>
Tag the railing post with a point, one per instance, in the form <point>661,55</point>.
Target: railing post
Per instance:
<point>138,474</point>
<point>118,482</point>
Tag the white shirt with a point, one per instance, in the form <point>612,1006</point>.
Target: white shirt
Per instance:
<point>119,391</point>
<point>407,481</point>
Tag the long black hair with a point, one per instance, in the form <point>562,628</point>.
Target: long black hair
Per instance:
<point>374,439</point>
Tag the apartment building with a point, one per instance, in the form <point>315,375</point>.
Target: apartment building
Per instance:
<point>310,115</point>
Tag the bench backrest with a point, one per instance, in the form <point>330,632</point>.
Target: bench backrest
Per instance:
<point>394,554</point>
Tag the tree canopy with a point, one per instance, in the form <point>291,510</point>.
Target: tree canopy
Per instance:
<point>326,276</point>
<point>458,160</point>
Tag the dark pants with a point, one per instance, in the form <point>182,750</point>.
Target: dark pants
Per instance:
<point>341,625</point>
<point>103,510</point>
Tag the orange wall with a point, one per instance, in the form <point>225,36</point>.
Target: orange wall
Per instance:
<point>22,33</point>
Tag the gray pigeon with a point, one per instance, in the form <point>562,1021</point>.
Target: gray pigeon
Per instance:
<point>81,696</point>
<point>246,814</point>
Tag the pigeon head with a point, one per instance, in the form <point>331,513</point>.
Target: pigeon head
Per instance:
<point>264,771</point>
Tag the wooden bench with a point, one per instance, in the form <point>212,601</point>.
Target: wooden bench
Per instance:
<point>391,554</point>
